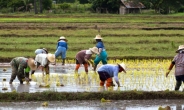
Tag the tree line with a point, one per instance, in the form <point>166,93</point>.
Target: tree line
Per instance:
<point>160,6</point>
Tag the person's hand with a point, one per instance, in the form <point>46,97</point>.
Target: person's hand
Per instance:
<point>167,73</point>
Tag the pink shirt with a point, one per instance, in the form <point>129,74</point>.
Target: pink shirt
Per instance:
<point>82,55</point>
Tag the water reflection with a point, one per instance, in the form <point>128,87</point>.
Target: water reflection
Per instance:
<point>95,105</point>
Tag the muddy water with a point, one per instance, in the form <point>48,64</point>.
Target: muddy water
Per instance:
<point>95,105</point>
<point>65,75</point>
<point>66,71</point>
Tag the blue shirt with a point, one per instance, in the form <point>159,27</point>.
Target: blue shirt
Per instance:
<point>112,70</point>
<point>62,43</point>
<point>100,45</point>
<point>40,51</point>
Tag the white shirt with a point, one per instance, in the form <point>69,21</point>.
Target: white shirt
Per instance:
<point>88,52</point>
<point>42,59</point>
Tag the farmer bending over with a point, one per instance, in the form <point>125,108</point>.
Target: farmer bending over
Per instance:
<point>43,61</point>
<point>62,47</point>
<point>106,72</point>
<point>83,57</point>
<point>40,51</point>
<point>21,67</point>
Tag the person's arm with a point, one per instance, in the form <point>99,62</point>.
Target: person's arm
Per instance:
<point>57,45</point>
<point>116,71</point>
<point>170,68</point>
<point>100,50</point>
<point>66,46</point>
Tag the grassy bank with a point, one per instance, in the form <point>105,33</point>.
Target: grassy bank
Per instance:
<point>125,36</point>
<point>62,96</point>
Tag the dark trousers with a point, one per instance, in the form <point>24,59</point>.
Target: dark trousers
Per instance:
<point>103,75</point>
<point>179,80</point>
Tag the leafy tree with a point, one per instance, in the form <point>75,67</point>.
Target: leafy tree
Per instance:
<point>47,4</point>
<point>111,5</point>
<point>83,1</point>
<point>65,1</point>
<point>64,6</point>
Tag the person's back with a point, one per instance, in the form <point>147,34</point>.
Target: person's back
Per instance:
<point>110,69</point>
<point>179,63</point>
<point>41,51</point>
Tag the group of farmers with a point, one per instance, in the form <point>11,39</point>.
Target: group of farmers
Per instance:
<point>22,66</point>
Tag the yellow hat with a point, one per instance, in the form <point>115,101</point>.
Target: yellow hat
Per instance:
<point>51,57</point>
<point>32,64</point>
<point>94,49</point>
<point>98,37</point>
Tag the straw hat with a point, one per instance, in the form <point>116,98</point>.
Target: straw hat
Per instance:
<point>181,47</point>
<point>62,38</point>
<point>98,37</point>
<point>51,57</point>
<point>94,50</point>
<point>123,66</point>
<point>32,63</point>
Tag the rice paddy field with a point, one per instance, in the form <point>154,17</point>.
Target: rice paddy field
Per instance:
<point>125,37</point>
<point>146,44</point>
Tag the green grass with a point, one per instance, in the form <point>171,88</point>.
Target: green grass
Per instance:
<point>124,36</point>
<point>114,95</point>
<point>97,18</point>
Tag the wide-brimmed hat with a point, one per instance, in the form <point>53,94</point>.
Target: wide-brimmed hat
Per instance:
<point>51,57</point>
<point>32,64</point>
<point>123,66</point>
<point>98,37</point>
<point>94,50</point>
<point>62,38</point>
<point>181,47</point>
<point>45,50</point>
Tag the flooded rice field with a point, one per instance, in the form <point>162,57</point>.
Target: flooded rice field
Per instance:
<point>96,105</point>
<point>146,80</point>
<point>63,79</point>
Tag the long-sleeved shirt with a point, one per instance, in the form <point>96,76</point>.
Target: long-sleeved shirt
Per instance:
<point>82,55</point>
<point>179,64</point>
<point>112,70</point>
<point>100,45</point>
<point>40,51</point>
<point>62,43</point>
<point>20,63</point>
<point>42,59</point>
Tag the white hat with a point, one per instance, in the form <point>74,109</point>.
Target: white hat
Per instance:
<point>32,64</point>
<point>62,37</point>
<point>98,37</point>
<point>94,49</point>
<point>181,47</point>
<point>123,66</point>
<point>51,57</point>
